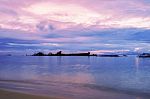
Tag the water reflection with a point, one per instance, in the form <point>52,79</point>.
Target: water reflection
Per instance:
<point>51,69</point>
<point>137,63</point>
<point>59,60</point>
<point>138,98</point>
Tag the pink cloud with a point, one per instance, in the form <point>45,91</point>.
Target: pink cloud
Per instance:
<point>67,14</point>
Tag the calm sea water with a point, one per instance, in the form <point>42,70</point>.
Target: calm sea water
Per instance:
<point>75,75</point>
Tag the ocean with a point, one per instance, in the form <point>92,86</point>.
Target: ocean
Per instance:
<point>77,77</point>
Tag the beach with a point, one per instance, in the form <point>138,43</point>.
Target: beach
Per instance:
<point>15,95</point>
<point>102,95</point>
<point>74,49</point>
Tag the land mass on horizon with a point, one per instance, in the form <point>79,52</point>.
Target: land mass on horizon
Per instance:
<point>59,53</point>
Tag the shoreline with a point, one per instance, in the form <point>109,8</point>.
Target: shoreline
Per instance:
<point>5,94</point>
<point>103,94</point>
<point>61,91</point>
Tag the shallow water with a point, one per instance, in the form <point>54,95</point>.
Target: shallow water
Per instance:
<point>77,77</point>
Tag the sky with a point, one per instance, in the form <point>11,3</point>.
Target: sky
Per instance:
<point>99,26</point>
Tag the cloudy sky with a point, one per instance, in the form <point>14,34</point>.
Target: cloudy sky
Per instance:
<point>99,26</point>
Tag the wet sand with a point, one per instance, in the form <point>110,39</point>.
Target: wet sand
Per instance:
<point>102,95</point>
<point>16,95</point>
<point>55,90</point>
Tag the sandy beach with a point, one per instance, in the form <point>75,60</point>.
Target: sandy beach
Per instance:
<point>15,95</point>
<point>102,95</point>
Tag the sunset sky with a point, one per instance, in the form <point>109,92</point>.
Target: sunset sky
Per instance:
<point>99,26</point>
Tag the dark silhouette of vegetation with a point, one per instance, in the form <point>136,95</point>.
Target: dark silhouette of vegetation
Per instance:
<point>59,53</point>
<point>39,54</point>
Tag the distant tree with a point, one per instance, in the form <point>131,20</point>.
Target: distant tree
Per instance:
<point>59,53</point>
<point>39,54</point>
<point>50,53</point>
